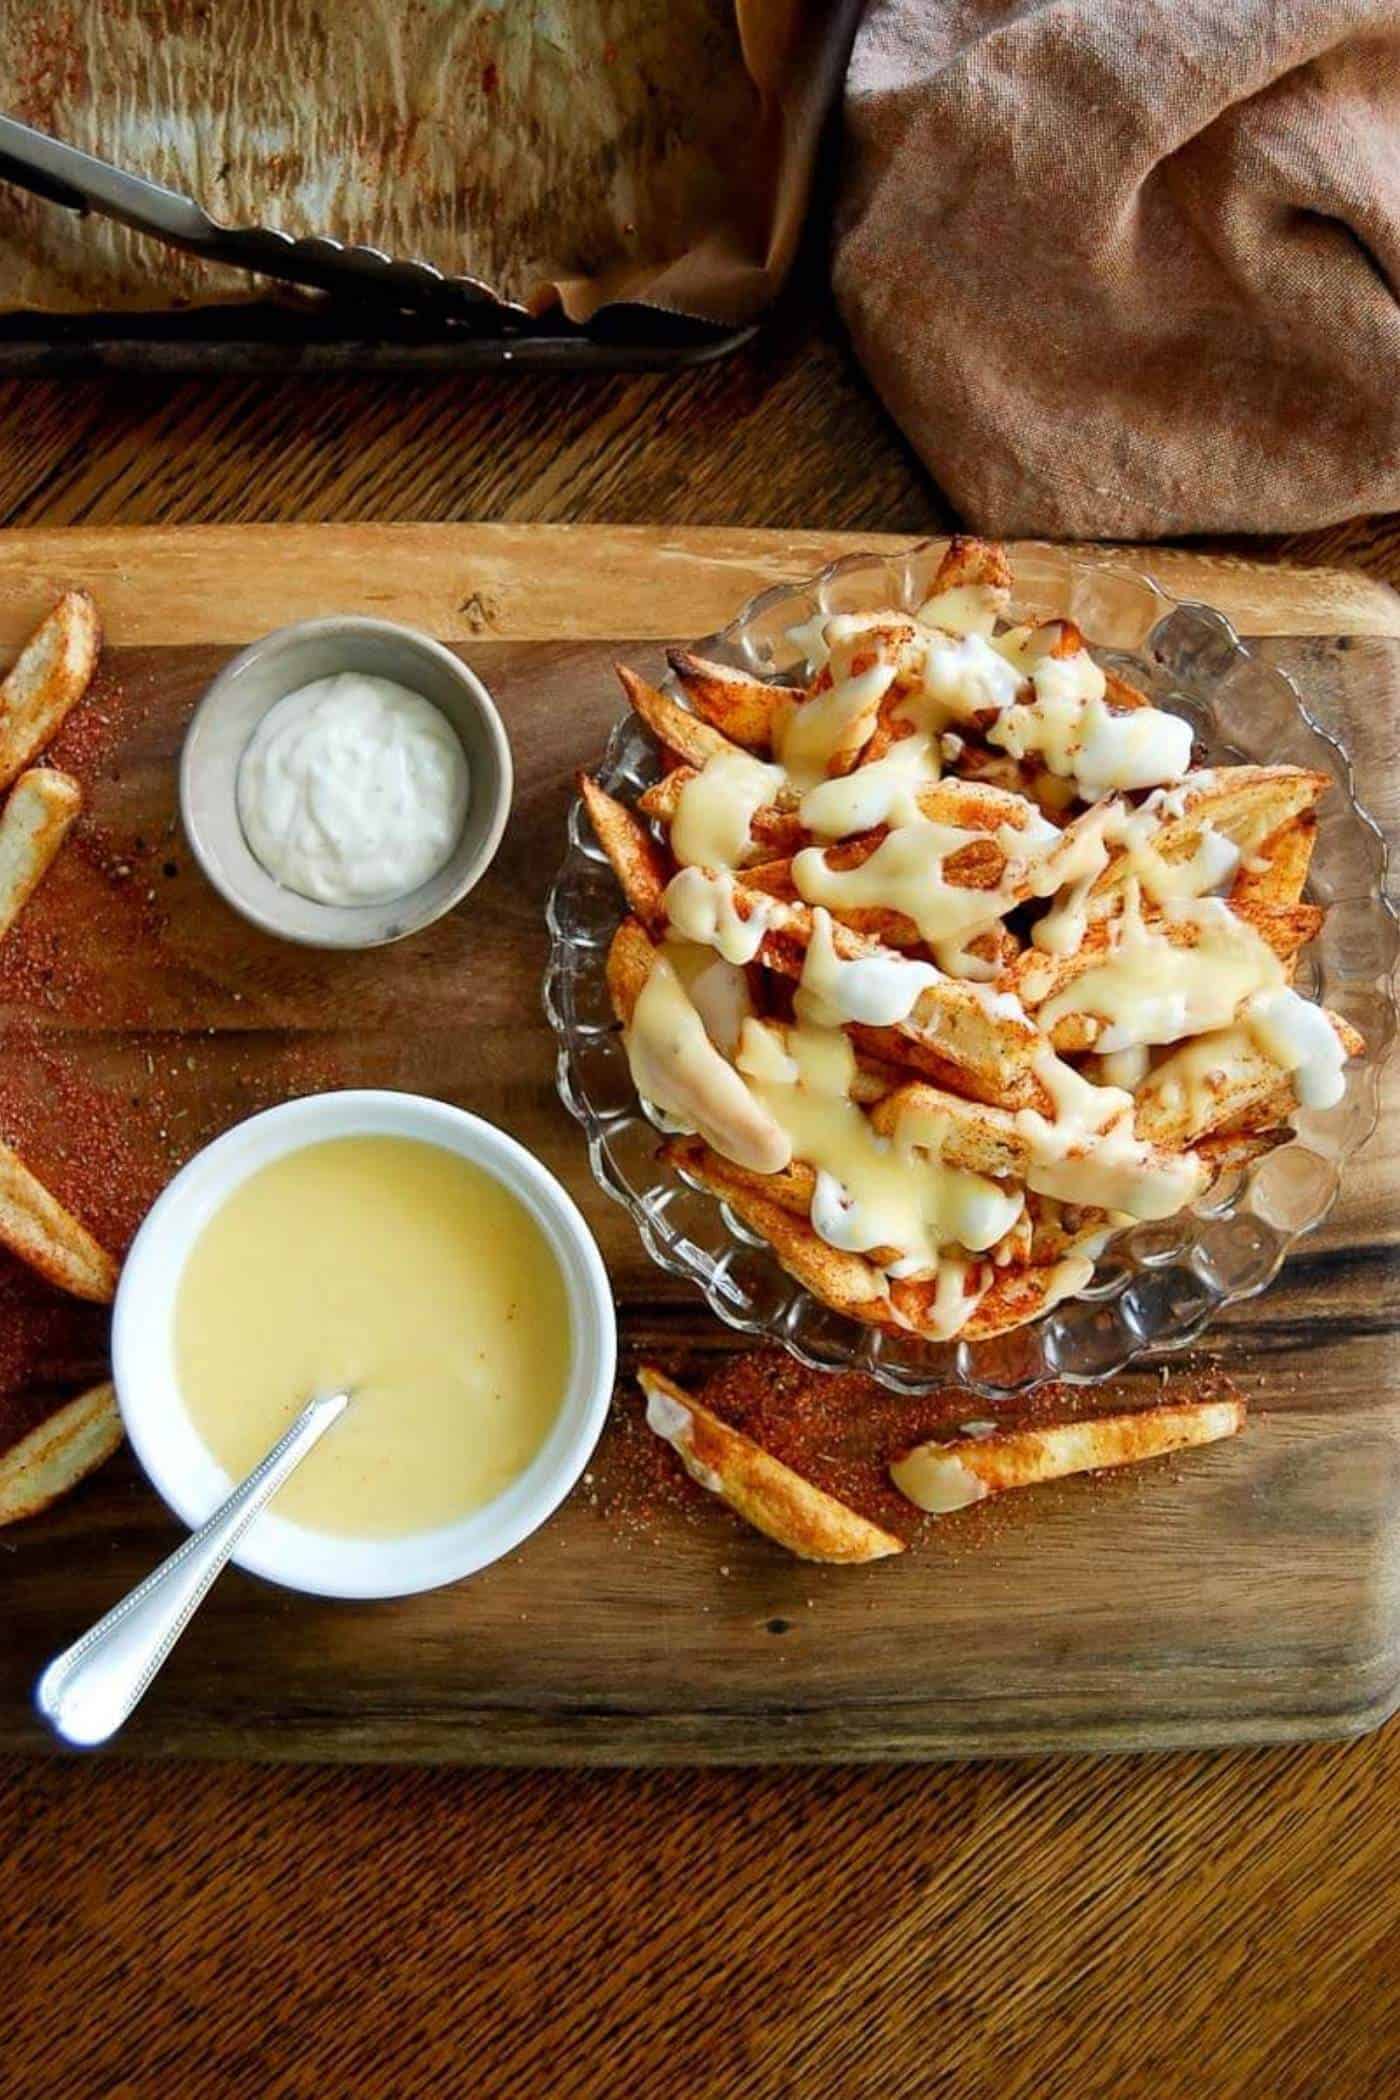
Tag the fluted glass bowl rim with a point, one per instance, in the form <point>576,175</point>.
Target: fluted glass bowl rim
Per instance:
<point>1133,1311</point>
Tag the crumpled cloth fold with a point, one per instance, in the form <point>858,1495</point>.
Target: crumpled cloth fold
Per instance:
<point>1127,268</point>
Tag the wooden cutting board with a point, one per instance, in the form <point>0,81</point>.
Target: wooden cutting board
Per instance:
<point>1251,1593</point>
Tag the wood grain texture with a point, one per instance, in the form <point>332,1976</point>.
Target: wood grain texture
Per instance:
<point>1188,1928</point>
<point>1251,1595</point>
<point>502,582</point>
<point>1221,1925</point>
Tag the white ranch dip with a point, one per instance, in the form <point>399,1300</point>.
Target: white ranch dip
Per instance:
<point>353,790</point>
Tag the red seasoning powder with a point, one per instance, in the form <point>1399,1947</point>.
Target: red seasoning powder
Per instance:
<point>841,1431</point>
<point>108,1083</point>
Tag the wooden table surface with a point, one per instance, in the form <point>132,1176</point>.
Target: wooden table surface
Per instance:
<point>1216,1925</point>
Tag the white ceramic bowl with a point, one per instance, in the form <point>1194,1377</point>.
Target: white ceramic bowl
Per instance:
<point>177,1460</point>
<point>222,728</point>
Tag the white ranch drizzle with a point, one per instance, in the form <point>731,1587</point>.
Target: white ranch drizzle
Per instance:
<point>1071,729</point>
<point>878,990</point>
<point>1298,1037</point>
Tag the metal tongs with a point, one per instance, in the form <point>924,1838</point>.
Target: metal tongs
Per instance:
<point>82,183</point>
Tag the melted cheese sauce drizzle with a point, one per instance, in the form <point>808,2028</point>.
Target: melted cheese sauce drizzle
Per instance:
<point>905,874</point>
<point>718,990</point>
<point>968,608</point>
<point>675,1066</point>
<point>701,905</point>
<point>810,733</point>
<point>960,1288</point>
<point>712,825</point>
<point>866,1198</point>
<point>1089,1154</point>
<point>1150,989</point>
<point>884,792</point>
<point>1114,828</point>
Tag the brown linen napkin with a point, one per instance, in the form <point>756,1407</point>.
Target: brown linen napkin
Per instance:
<point>1123,268</point>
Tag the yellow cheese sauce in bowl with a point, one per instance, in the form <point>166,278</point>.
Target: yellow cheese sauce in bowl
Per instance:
<point>401,1249</point>
<point>420,1284</point>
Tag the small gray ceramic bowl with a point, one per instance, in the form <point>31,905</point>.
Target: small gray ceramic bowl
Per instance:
<point>233,707</point>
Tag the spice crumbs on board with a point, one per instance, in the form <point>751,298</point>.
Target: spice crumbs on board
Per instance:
<point>109,1079</point>
<point>841,1430</point>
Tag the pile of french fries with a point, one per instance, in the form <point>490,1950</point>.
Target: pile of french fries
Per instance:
<point>998,1070</point>
<point>1077,1008</point>
<point>47,680</point>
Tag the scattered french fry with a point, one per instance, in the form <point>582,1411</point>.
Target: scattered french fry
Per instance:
<point>759,1488</point>
<point>939,1478</point>
<point>35,1226</point>
<point>33,825</point>
<point>64,1448</point>
<point>48,678</point>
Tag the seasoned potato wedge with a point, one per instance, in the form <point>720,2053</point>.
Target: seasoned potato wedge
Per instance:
<point>35,821</point>
<point>758,1487</point>
<point>671,724</point>
<point>1213,1083</point>
<point>939,1478</point>
<point>47,680</point>
<point>35,1226</point>
<point>741,707</point>
<point>1277,872</point>
<point>634,855</point>
<point>630,958</point>
<point>846,1282</point>
<point>1245,804</point>
<point>62,1450</point>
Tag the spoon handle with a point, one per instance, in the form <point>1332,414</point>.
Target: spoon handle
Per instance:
<point>87,1692</point>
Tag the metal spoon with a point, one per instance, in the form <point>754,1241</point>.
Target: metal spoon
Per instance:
<point>87,1692</point>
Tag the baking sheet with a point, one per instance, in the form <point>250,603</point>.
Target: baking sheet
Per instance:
<point>572,155</point>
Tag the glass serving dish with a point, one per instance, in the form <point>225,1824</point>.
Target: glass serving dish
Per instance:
<point>1158,1284</point>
